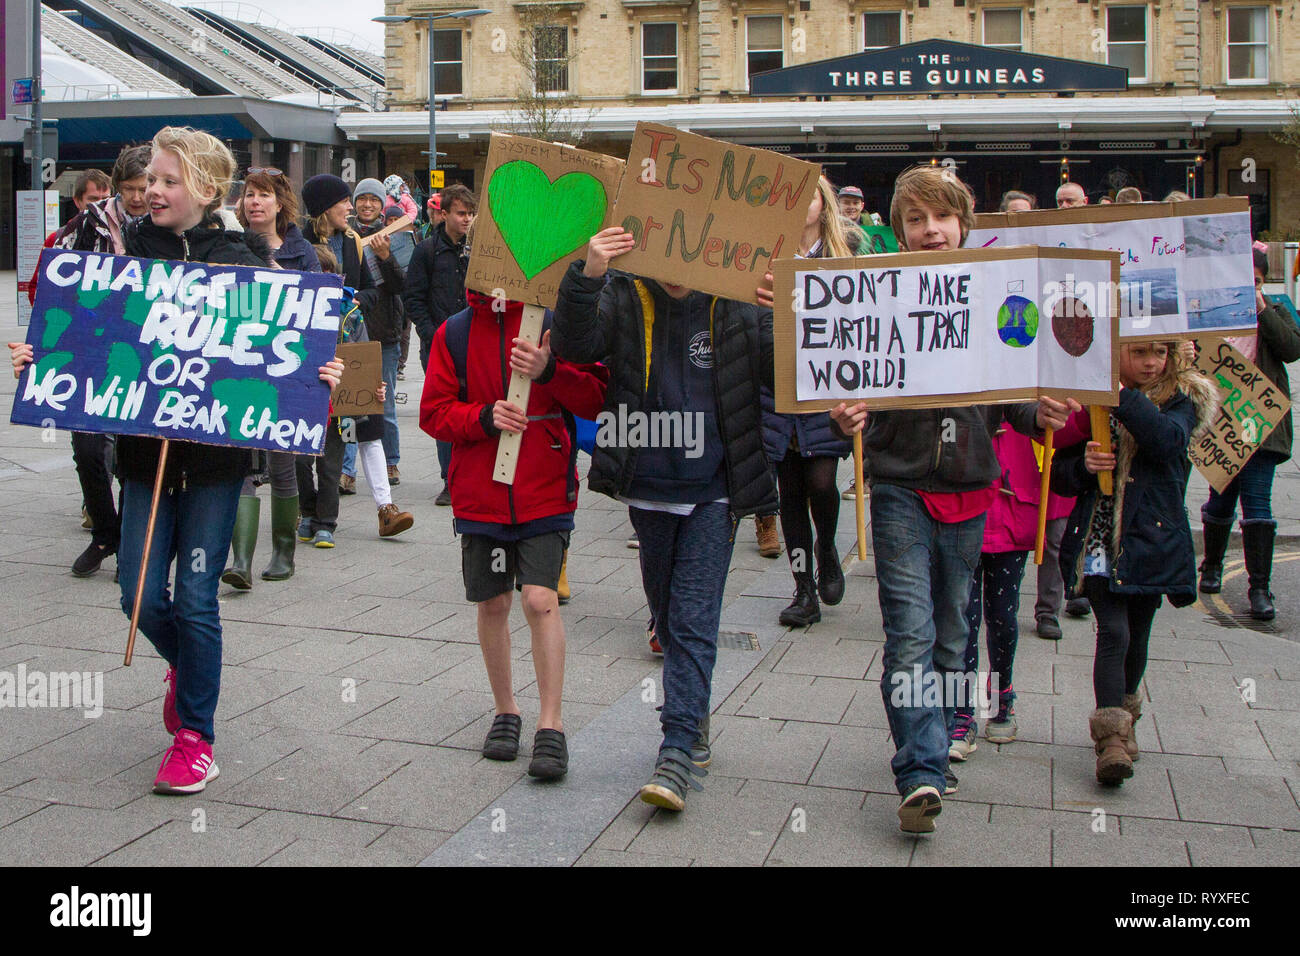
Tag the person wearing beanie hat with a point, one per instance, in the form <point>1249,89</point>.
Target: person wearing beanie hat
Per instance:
<point>370,187</point>
<point>321,192</point>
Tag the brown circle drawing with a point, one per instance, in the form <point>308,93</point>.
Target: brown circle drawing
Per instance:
<point>1072,325</point>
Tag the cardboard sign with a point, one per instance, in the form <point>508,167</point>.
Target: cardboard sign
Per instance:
<point>220,355</point>
<point>1251,408</point>
<point>937,329</point>
<point>542,203</point>
<point>710,215</point>
<point>363,373</point>
<point>1185,267</point>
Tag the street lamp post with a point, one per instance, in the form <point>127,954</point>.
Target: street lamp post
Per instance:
<point>433,110</point>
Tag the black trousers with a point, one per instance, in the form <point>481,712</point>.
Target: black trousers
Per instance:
<point>1123,633</point>
<point>318,481</point>
<point>91,453</point>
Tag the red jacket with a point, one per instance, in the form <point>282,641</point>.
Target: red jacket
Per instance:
<point>545,482</point>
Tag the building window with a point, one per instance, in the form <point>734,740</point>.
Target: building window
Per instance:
<point>551,53</point>
<point>447,63</point>
<point>1002,29</point>
<point>1126,40</point>
<point>1248,44</point>
<point>659,58</point>
<point>764,43</point>
<point>880,31</point>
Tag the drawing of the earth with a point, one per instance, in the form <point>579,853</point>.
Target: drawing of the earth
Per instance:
<point>1072,325</point>
<point>1017,321</point>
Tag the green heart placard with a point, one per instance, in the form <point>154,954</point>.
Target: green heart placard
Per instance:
<point>542,221</point>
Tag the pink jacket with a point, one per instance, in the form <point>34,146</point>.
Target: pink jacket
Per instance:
<point>1012,521</point>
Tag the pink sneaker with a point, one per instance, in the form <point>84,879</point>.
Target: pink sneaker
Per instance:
<point>171,719</point>
<point>187,766</point>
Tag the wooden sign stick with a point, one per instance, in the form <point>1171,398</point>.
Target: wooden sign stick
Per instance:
<point>388,230</point>
<point>1044,490</point>
<point>859,502</point>
<point>530,328</point>
<point>1100,417</point>
<point>144,556</point>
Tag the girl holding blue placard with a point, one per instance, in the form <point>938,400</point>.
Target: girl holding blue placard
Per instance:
<point>189,174</point>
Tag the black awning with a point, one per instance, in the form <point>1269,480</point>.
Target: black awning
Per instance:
<point>938,66</point>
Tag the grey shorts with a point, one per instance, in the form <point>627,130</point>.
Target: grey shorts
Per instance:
<point>491,567</point>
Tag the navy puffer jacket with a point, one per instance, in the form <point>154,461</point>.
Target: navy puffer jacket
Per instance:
<point>1151,542</point>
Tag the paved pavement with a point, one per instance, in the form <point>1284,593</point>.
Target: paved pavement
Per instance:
<point>354,701</point>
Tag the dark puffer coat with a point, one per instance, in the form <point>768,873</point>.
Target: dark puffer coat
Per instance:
<point>603,320</point>
<point>1151,542</point>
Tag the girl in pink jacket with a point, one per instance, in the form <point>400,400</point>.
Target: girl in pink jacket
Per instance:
<point>1009,530</point>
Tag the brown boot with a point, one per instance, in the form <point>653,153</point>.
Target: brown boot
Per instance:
<point>1133,704</point>
<point>393,522</point>
<point>769,544</point>
<point>1111,727</point>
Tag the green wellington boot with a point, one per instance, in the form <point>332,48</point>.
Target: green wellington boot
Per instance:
<point>238,573</point>
<point>284,521</point>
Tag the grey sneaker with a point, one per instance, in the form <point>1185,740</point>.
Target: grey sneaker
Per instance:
<point>674,775</point>
<point>702,752</point>
<point>1002,730</point>
<point>963,743</point>
<point>1048,627</point>
<point>949,782</point>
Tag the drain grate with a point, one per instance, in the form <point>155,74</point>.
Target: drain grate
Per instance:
<point>738,640</point>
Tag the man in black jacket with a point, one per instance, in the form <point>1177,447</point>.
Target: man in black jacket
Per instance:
<point>435,285</point>
<point>681,443</point>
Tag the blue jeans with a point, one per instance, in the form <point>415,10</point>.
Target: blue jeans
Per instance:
<point>193,527</point>
<point>1253,486</point>
<point>923,570</point>
<point>995,595</point>
<point>684,563</point>
<point>392,451</point>
<point>350,459</point>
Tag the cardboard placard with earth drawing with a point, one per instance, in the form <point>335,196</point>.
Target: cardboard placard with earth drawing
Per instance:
<point>710,215</point>
<point>541,203</point>
<point>1250,409</point>
<point>938,329</point>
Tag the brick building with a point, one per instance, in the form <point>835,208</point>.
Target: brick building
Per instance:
<point>1208,82</point>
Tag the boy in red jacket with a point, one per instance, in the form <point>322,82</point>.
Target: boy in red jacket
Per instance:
<point>512,535</point>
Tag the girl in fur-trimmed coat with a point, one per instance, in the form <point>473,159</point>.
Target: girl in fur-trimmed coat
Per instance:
<point>1125,551</point>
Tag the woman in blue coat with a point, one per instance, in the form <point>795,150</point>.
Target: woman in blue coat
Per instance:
<point>268,208</point>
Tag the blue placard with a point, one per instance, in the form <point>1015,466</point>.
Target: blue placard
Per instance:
<point>215,354</point>
<point>22,92</point>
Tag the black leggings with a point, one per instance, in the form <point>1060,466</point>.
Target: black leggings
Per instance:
<point>807,484</point>
<point>1123,633</point>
